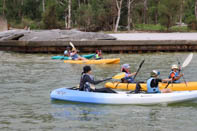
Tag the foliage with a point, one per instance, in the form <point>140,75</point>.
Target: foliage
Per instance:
<point>50,16</point>
<point>149,27</point>
<point>168,10</point>
<point>99,15</point>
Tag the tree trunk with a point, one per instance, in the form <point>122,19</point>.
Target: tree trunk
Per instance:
<point>156,12</point>
<point>4,7</point>
<point>69,13</point>
<point>79,3</point>
<point>119,6</point>
<point>145,11</point>
<point>181,13</point>
<point>196,9</point>
<point>129,18</point>
<point>43,5</point>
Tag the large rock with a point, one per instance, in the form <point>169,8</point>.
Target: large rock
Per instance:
<point>53,35</point>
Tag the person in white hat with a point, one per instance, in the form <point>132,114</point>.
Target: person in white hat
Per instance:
<point>67,51</point>
<point>153,83</point>
<point>128,76</point>
<point>175,74</point>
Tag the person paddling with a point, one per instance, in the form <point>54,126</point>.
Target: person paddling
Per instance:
<point>67,52</point>
<point>128,76</point>
<point>98,55</point>
<point>153,83</point>
<point>175,74</point>
<point>75,56</point>
<point>87,81</point>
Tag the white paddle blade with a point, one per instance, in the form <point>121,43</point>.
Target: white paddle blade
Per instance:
<point>187,60</point>
<point>73,47</point>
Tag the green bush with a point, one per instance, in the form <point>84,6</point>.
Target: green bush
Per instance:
<point>179,29</point>
<point>149,27</point>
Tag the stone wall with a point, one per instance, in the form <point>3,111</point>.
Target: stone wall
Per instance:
<point>3,24</point>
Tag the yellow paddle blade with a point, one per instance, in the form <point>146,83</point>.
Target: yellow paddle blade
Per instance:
<point>119,76</point>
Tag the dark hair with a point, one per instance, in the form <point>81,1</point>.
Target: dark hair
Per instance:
<point>86,69</point>
<point>123,70</point>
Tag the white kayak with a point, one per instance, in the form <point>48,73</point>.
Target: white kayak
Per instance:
<point>67,94</point>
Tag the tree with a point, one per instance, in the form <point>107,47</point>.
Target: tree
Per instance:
<point>69,13</point>
<point>119,6</point>
<point>196,9</point>
<point>145,11</point>
<point>50,17</point>
<point>85,17</point>
<point>43,5</point>
<point>129,18</point>
<point>4,7</point>
<point>169,10</point>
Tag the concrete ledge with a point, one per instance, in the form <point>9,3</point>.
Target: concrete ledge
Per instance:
<point>108,46</point>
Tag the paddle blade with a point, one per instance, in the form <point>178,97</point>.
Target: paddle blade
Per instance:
<point>187,60</point>
<point>119,76</point>
<point>73,47</point>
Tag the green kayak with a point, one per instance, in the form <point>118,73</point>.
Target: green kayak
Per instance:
<point>89,56</point>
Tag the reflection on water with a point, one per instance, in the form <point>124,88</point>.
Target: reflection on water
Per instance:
<point>27,79</point>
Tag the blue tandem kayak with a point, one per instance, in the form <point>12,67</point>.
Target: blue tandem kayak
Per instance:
<point>68,94</point>
<point>89,56</point>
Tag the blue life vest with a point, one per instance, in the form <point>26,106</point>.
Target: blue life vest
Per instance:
<point>74,56</point>
<point>152,89</point>
<point>176,75</point>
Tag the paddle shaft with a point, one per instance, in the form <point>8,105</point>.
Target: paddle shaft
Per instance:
<point>138,69</point>
<point>180,71</point>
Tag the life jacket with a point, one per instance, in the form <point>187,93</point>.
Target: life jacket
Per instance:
<point>129,79</point>
<point>176,74</point>
<point>86,85</point>
<point>152,89</point>
<point>75,56</point>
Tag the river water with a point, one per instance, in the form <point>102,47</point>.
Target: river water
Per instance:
<point>27,79</point>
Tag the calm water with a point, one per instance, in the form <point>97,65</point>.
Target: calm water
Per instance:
<point>27,79</point>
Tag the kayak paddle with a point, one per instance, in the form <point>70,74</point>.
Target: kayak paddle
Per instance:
<point>73,47</point>
<point>185,63</point>
<point>138,69</point>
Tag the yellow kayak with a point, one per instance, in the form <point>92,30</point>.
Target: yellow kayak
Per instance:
<point>101,61</point>
<point>173,86</point>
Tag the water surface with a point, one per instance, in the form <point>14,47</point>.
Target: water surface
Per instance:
<point>27,79</point>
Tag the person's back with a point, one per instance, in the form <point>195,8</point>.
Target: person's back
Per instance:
<point>153,83</point>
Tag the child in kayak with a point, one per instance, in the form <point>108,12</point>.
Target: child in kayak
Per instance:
<point>128,76</point>
<point>87,81</point>
<point>175,74</point>
<point>98,55</point>
<point>153,83</point>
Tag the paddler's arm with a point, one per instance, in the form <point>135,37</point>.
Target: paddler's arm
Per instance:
<point>88,79</point>
<point>166,80</point>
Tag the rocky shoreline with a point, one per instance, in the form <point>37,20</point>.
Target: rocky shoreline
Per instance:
<point>52,35</point>
<point>55,41</point>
